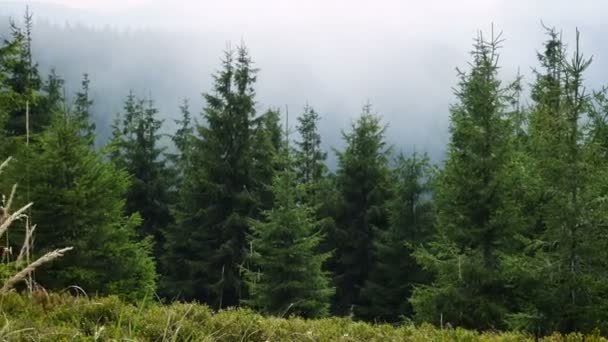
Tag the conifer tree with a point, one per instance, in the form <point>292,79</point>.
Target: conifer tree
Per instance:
<point>309,162</point>
<point>569,283</point>
<point>309,157</point>
<point>395,272</point>
<point>137,150</point>
<point>82,109</point>
<point>24,81</point>
<point>183,138</point>
<point>475,213</point>
<point>9,54</point>
<point>53,87</point>
<point>362,184</point>
<point>267,139</point>
<point>80,202</point>
<point>219,195</point>
<point>286,273</point>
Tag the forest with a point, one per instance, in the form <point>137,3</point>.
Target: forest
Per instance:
<point>240,210</point>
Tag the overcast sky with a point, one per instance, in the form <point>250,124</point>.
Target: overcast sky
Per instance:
<point>333,54</point>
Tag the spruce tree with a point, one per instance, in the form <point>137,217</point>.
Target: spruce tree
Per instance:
<point>219,195</point>
<point>362,184</point>
<point>24,81</point>
<point>395,271</point>
<point>182,139</point>
<point>267,139</point>
<point>567,158</point>
<point>137,150</point>
<point>80,202</point>
<point>53,88</point>
<point>285,274</point>
<point>82,109</point>
<point>475,213</point>
<point>9,55</point>
<point>309,157</point>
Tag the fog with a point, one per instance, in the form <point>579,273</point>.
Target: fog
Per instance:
<point>334,55</point>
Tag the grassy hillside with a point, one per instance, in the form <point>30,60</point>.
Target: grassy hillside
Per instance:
<point>65,318</point>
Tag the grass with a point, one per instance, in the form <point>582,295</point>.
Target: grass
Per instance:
<point>61,317</point>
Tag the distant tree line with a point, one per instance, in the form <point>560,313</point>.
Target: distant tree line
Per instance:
<point>509,233</point>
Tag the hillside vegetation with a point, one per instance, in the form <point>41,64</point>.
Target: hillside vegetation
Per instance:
<point>68,318</point>
<point>242,210</point>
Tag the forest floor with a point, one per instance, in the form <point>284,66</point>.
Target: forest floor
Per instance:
<point>67,318</point>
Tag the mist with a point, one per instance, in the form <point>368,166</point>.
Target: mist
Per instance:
<point>336,56</point>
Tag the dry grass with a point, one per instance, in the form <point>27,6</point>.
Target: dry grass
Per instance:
<point>21,268</point>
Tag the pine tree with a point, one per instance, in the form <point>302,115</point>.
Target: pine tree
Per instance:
<point>219,195</point>
<point>137,151</point>
<point>476,217</point>
<point>362,183</point>
<point>395,272</point>
<point>79,203</point>
<point>286,275</point>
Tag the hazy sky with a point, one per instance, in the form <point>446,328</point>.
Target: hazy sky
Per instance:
<point>334,54</point>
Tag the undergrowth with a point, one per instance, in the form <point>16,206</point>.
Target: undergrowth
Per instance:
<point>61,317</point>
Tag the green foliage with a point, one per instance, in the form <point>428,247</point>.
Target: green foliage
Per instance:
<point>267,142</point>
<point>362,183</point>
<point>395,272</point>
<point>53,87</point>
<point>183,141</point>
<point>136,150</point>
<point>22,78</point>
<point>475,214</point>
<point>64,318</point>
<point>566,294</point>
<point>222,190</point>
<point>309,157</point>
<point>509,235</point>
<point>79,203</point>
<point>286,274</point>
<point>82,109</point>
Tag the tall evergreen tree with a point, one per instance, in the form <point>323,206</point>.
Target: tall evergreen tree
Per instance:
<point>183,137</point>
<point>25,82</point>
<point>138,152</point>
<point>286,274</point>
<point>82,109</point>
<point>309,157</point>
<point>570,280</point>
<point>395,272</point>
<point>207,248</point>
<point>474,212</point>
<point>54,100</point>
<point>362,183</point>
<point>267,139</point>
<point>179,160</point>
<point>79,203</point>
<point>9,55</point>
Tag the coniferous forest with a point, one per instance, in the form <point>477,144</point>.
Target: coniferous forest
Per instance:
<point>239,208</point>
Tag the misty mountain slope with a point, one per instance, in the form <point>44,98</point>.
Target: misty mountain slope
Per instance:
<point>404,68</point>
<point>172,65</point>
